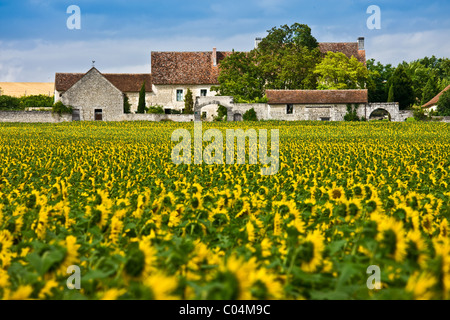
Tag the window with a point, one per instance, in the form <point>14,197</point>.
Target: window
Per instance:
<point>325,119</point>
<point>203,92</point>
<point>98,114</point>
<point>76,115</point>
<point>180,95</point>
<point>290,109</point>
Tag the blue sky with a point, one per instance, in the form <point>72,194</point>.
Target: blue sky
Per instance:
<point>119,35</point>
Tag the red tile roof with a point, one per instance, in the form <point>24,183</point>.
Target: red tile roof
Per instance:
<point>317,96</point>
<point>435,100</point>
<point>186,67</point>
<point>124,82</point>
<point>348,48</point>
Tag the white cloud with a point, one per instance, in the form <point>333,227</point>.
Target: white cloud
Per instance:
<point>395,48</point>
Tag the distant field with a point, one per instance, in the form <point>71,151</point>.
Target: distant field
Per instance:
<point>106,197</point>
<point>20,89</point>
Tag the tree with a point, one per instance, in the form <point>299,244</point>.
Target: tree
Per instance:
<point>250,115</point>
<point>222,114</point>
<point>285,59</point>
<point>352,113</point>
<point>430,91</point>
<point>443,107</point>
<point>126,104</point>
<point>402,87</point>
<point>337,72</point>
<point>188,102</point>
<point>141,105</point>
<point>391,96</point>
<point>379,75</point>
<point>241,77</point>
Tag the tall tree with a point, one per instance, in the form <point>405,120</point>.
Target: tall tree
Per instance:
<point>402,88</point>
<point>443,107</point>
<point>188,102</point>
<point>141,105</point>
<point>126,104</point>
<point>241,77</point>
<point>431,90</point>
<point>379,75</point>
<point>337,71</point>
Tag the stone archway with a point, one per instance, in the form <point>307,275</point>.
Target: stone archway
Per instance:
<point>380,114</point>
<point>201,102</point>
<point>391,107</point>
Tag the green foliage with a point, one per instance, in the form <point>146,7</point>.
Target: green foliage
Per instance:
<point>222,114</point>
<point>391,96</point>
<point>430,90</point>
<point>337,72</point>
<point>126,104</point>
<point>188,102</point>
<point>38,101</point>
<point>443,107</point>
<point>379,74</point>
<point>60,108</point>
<point>352,113</point>
<point>155,109</point>
<point>240,77</point>
<point>402,87</point>
<point>141,105</point>
<point>250,115</point>
<point>419,114</point>
<point>10,103</point>
<point>285,59</point>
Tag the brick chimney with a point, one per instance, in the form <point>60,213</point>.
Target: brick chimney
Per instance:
<point>214,57</point>
<point>361,43</point>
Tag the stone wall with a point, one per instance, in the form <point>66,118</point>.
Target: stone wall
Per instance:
<point>156,117</point>
<point>93,92</point>
<point>33,117</point>
<point>166,95</point>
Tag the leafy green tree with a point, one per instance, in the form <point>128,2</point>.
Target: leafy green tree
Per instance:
<point>337,72</point>
<point>188,102</point>
<point>141,105</point>
<point>285,59</point>
<point>126,104</point>
<point>250,115</point>
<point>402,87</point>
<point>155,110</point>
<point>61,108</point>
<point>431,90</point>
<point>379,74</point>
<point>352,113</point>
<point>241,77</point>
<point>222,114</point>
<point>391,96</point>
<point>10,103</point>
<point>443,107</point>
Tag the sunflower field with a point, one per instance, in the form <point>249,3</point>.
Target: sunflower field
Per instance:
<point>107,198</point>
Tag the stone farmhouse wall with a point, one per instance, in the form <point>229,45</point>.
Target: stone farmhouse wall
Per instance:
<point>301,112</point>
<point>33,117</point>
<point>166,95</point>
<point>93,92</point>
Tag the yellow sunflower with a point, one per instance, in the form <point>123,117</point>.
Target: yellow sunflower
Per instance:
<point>311,251</point>
<point>391,236</point>
<point>420,285</point>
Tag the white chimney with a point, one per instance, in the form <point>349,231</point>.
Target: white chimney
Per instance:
<point>257,42</point>
<point>214,57</point>
<point>361,43</point>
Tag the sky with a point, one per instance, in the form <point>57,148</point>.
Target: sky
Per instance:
<point>119,35</point>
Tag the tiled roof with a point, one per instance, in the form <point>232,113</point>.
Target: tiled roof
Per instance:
<point>348,48</point>
<point>317,96</point>
<point>124,82</point>
<point>435,100</point>
<point>186,67</point>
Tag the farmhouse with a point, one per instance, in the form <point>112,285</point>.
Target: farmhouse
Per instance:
<point>129,84</point>
<point>97,96</point>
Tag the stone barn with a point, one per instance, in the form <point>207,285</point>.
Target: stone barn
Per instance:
<point>129,84</point>
<point>315,105</point>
